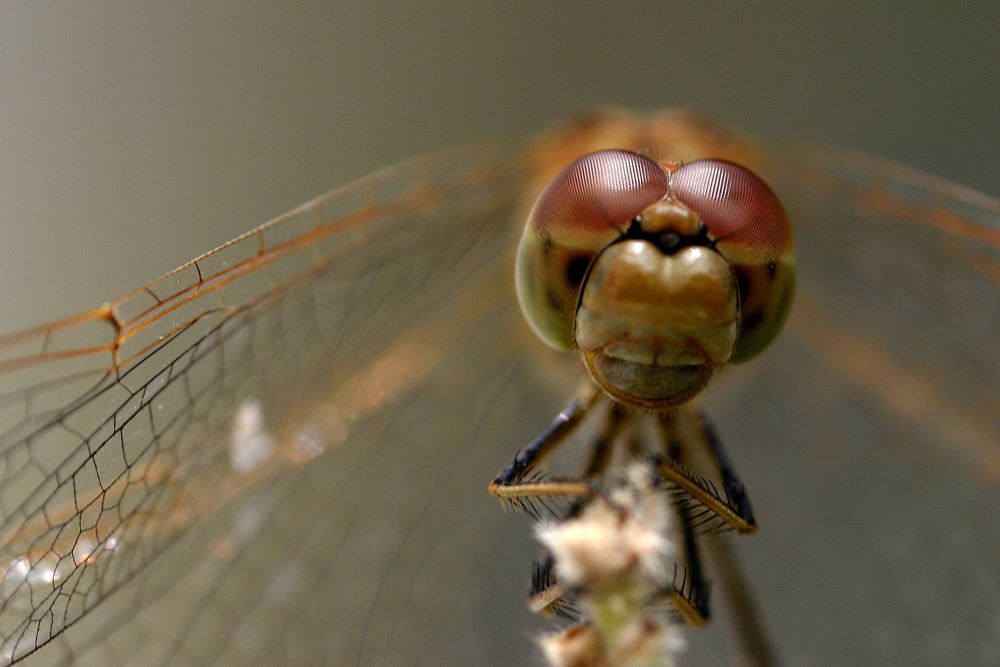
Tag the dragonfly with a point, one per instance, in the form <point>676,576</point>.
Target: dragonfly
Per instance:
<point>658,274</point>
<point>278,453</point>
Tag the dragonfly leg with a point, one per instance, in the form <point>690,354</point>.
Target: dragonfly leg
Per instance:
<point>690,591</point>
<point>515,481</point>
<point>690,440</point>
<point>735,490</point>
<point>695,443</point>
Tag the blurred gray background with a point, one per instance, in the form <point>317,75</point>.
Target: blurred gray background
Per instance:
<point>136,135</point>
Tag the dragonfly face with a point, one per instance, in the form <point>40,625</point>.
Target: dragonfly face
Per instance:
<point>658,274</point>
<point>377,330</point>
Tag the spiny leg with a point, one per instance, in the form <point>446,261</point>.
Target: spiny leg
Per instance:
<point>685,433</point>
<point>690,587</point>
<point>547,596</point>
<point>735,490</point>
<point>511,483</point>
<point>690,591</point>
<point>703,446</point>
<point>689,594</point>
<point>516,483</point>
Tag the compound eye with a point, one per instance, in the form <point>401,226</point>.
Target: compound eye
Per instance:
<point>597,196</point>
<point>585,208</point>
<point>739,209</point>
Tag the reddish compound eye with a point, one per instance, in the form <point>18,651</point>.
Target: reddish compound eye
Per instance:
<point>586,207</point>
<point>739,209</point>
<point>598,193</point>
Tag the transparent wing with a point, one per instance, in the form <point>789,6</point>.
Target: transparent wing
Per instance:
<point>278,454</point>
<point>869,435</point>
<point>175,481</point>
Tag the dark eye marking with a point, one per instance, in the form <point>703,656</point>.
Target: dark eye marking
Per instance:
<point>576,269</point>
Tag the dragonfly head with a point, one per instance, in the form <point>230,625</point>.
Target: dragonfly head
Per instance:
<point>657,274</point>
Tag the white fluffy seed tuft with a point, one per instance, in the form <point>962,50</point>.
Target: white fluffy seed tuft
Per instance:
<point>614,557</point>
<point>627,532</point>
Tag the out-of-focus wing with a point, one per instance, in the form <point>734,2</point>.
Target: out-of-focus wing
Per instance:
<point>150,446</point>
<point>869,435</point>
<point>909,264</point>
<point>279,453</point>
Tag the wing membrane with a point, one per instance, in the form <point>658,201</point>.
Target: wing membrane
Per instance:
<point>278,453</point>
<point>900,290</point>
<point>122,425</point>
